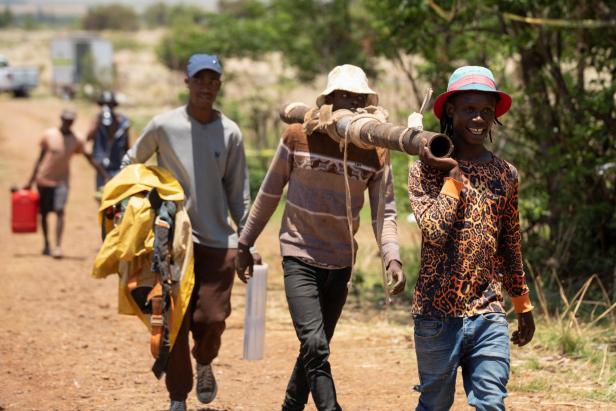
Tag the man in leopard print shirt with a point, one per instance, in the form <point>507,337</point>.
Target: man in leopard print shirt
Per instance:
<point>467,209</point>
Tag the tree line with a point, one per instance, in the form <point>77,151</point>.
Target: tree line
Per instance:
<point>557,58</point>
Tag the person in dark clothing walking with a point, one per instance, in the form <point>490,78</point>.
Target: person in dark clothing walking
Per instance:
<point>110,136</point>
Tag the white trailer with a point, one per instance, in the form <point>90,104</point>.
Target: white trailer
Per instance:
<point>81,58</point>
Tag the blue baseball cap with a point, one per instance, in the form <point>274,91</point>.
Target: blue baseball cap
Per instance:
<point>198,62</point>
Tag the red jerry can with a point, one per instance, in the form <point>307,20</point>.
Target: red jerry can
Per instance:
<point>24,210</point>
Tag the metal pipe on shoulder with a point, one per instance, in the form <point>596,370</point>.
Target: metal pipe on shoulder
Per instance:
<point>375,133</point>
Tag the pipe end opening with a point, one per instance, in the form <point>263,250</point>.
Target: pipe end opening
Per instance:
<point>441,146</point>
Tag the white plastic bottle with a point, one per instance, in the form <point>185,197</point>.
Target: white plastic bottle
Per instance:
<point>254,322</point>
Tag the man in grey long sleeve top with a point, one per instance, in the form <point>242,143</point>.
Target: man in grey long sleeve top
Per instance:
<point>204,151</point>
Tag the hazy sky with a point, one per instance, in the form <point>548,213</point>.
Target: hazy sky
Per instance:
<point>79,6</point>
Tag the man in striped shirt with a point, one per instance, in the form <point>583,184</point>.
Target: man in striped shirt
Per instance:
<point>314,236</point>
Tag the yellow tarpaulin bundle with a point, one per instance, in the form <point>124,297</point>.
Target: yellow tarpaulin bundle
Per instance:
<point>128,245</point>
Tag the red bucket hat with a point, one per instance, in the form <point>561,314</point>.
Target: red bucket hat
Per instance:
<point>475,78</point>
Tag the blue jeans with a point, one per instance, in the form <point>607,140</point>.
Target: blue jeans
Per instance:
<point>478,344</point>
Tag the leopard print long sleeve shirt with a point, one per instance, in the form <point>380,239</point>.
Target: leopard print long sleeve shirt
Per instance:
<point>470,240</point>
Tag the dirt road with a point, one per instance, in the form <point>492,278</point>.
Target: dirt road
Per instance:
<point>64,347</point>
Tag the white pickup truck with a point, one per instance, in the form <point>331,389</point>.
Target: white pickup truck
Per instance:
<point>17,80</point>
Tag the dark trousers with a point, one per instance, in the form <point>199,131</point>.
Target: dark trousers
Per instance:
<point>315,297</point>
<point>209,307</point>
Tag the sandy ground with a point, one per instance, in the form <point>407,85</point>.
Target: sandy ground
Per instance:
<point>64,347</point>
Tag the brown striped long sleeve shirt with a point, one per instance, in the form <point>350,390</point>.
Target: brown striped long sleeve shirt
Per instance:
<point>314,225</point>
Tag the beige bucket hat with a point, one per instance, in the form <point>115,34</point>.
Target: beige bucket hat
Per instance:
<point>348,78</point>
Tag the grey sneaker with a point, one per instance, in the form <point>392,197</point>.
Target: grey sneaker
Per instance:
<point>177,406</point>
<point>206,384</point>
<point>56,253</point>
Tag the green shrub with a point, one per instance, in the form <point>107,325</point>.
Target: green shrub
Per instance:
<point>258,163</point>
<point>400,169</point>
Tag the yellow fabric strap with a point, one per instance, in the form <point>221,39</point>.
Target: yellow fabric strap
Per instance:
<point>574,24</point>
<point>452,188</point>
<point>522,303</point>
